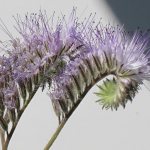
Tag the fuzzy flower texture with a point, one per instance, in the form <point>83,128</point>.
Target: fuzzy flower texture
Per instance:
<point>71,56</point>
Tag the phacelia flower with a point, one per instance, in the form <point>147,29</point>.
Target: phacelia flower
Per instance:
<point>107,51</point>
<point>70,56</point>
<point>37,55</point>
<point>39,51</point>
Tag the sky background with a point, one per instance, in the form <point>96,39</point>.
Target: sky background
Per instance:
<point>90,127</point>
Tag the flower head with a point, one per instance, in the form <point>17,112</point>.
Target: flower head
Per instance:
<point>107,51</point>
<point>40,50</point>
<point>71,56</point>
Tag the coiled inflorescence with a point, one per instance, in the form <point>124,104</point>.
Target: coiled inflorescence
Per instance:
<point>107,51</point>
<point>71,57</point>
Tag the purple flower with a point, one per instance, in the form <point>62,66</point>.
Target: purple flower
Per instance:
<point>40,53</point>
<point>71,56</point>
<point>107,50</point>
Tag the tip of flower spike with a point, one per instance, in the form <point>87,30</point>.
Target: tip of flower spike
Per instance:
<point>108,94</point>
<point>113,93</point>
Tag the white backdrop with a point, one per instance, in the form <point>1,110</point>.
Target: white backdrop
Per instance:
<point>90,127</point>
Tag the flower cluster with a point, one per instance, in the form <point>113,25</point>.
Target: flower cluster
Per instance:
<point>107,51</point>
<point>39,53</point>
<point>34,53</point>
<point>71,57</point>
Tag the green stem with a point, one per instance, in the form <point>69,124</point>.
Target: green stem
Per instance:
<point>5,145</point>
<point>53,138</point>
<point>2,139</point>
<point>63,122</point>
<point>60,127</point>
<point>9,135</point>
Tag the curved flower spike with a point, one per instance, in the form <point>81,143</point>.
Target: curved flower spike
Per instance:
<point>103,51</point>
<point>71,57</point>
<point>107,51</point>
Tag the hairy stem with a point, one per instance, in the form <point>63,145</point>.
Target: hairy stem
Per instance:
<point>60,127</point>
<point>20,112</point>
<point>2,138</point>
<point>9,136</point>
<point>5,144</point>
<point>68,115</point>
<point>53,138</point>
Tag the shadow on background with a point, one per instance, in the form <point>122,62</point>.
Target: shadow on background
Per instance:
<point>131,13</point>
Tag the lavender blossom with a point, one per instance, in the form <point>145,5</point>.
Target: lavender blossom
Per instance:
<point>31,61</point>
<point>107,51</point>
<point>40,46</point>
<point>71,56</point>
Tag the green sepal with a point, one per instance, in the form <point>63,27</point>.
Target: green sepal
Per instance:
<point>22,88</point>
<point>1,104</point>
<point>12,115</point>
<point>29,85</point>
<point>3,124</point>
<point>108,94</point>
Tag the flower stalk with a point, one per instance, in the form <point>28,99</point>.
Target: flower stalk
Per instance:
<point>71,57</point>
<point>6,141</point>
<point>55,135</point>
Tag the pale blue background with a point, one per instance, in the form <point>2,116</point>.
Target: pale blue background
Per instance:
<point>90,127</point>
